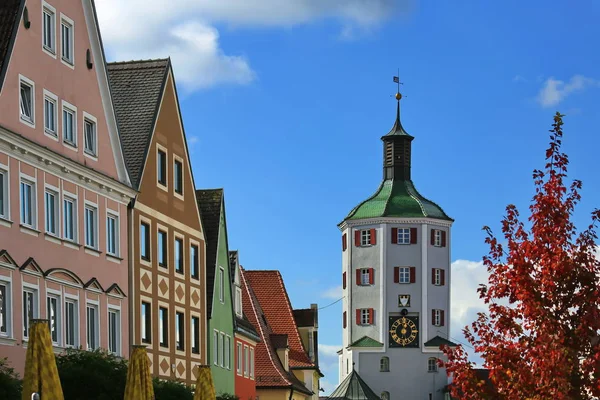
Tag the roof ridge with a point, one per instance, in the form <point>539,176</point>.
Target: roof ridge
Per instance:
<point>140,61</point>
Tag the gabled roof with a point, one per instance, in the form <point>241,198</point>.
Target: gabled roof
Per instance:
<point>366,341</point>
<point>353,388</point>
<point>210,204</point>
<point>269,372</point>
<point>438,341</point>
<point>10,15</point>
<point>272,296</point>
<point>136,88</point>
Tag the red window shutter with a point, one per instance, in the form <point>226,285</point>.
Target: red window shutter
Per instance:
<point>443,238</point>
<point>441,317</point>
<point>373,236</point>
<point>413,235</point>
<point>394,235</point>
<point>433,276</point>
<point>344,280</point>
<point>344,242</point>
<point>432,317</point>
<point>358,316</point>
<point>396,274</point>
<point>370,316</point>
<point>443,277</point>
<point>433,237</point>
<point>357,238</point>
<point>413,275</point>
<point>344,319</point>
<point>358,280</point>
<point>371,278</point>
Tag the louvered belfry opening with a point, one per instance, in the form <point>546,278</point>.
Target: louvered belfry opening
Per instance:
<point>396,162</point>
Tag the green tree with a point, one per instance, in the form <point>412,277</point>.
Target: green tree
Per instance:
<point>10,384</point>
<point>171,390</point>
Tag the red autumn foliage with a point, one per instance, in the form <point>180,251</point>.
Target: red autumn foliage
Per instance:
<point>540,337</point>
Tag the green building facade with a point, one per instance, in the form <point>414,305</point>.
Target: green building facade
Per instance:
<point>219,303</point>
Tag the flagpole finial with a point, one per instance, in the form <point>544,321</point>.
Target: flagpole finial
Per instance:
<point>398,96</point>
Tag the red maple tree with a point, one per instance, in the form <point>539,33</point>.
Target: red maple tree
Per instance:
<point>540,336</point>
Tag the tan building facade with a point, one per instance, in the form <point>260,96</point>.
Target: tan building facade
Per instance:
<point>167,244</point>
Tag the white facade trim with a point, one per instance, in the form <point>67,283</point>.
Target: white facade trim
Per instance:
<point>388,220</point>
<point>424,284</point>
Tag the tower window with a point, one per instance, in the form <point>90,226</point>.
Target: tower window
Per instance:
<point>404,275</point>
<point>365,276</point>
<point>364,316</point>
<point>437,318</point>
<point>438,277</point>
<point>438,238</point>
<point>365,237</point>
<point>432,364</point>
<point>404,236</point>
<point>384,364</point>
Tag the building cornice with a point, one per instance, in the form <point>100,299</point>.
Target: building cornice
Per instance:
<point>41,157</point>
<point>383,220</point>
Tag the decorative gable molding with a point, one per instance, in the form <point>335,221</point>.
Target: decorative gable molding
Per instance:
<point>94,286</point>
<point>7,261</point>
<point>400,221</point>
<point>64,277</point>
<point>115,291</point>
<point>31,267</point>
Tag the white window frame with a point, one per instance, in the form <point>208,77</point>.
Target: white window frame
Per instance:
<point>32,201</point>
<point>52,191</point>
<point>159,244</point>
<point>238,301</point>
<point>6,308</point>
<point>177,159</point>
<point>161,332</point>
<point>96,307</point>
<point>145,336</point>
<point>70,109</point>
<point>365,237</point>
<point>89,206</point>
<point>239,358</point>
<point>227,355</point>
<point>75,301</point>
<point>364,277</point>
<point>164,150</point>
<point>72,199</point>
<point>56,296</point>
<point>404,275</point>
<point>51,11</point>
<point>437,242</point>
<point>432,364</point>
<point>437,276</point>
<point>251,362</point>
<point>24,119</point>
<point>34,290</point>
<point>5,191</point>
<point>177,237</point>
<point>437,317</point>
<point>147,239</point>
<point>364,316</point>
<point>221,285</point>
<point>179,331</point>
<point>91,152</point>
<point>222,349</point>
<point>247,360</point>
<point>403,235</point>
<point>114,216</point>
<point>193,342</point>
<point>116,310</point>
<point>215,347</point>
<point>194,265</point>
<point>50,97</point>
<point>69,24</point>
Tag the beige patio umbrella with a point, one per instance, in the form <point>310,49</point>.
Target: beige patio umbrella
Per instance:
<point>139,381</point>
<point>41,374</point>
<point>205,389</point>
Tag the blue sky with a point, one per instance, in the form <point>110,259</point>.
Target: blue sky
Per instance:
<point>284,104</point>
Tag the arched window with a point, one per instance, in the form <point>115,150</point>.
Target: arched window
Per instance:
<point>432,365</point>
<point>385,395</point>
<point>384,364</point>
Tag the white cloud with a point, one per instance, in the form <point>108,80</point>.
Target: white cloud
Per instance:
<point>333,293</point>
<point>185,30</point>
<point>553,91</point>
<point>329,365</point>
<point>519,78</point>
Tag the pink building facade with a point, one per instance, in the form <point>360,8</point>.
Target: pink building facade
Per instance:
<point>64,187</point>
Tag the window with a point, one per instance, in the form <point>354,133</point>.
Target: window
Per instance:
<point>195,335</point>
<point>162,248</point>
<point>161,167</point>
<point>90,142</point>
<point>222,352</point>
<point>438,277</point>
<point>146,325</point>
<point>178,176</point>
<point>5,308</point>
<point>179,255</point>
<point>384,364</point>
<point>91,228</point>
<point>91,327</point>
<point>221,285</point>
<point>114,328</point>
<point>365,237</point>
<point>365,276</point>
<point>385,395</point>
<point>179,331</point>
<point>251,362</point>
<point>112,235</point>
<point>194,261</point>
<point>27,203</point>
<point>163,315</point>
<point>70,224</point>
<point>438,238</point>
<point>238,301</point>
<point>239,359</point>
<point>145,241</point>
<point>30,308</point>
<point>247,361</point>
<point>403,235</point>
<point>404,274</point>
<point>227,351</point>
<point>48,29</point>
<point>71,323</point>
<point>432,364</point>
<point>52,314</point>
<point>66,29</point>
<point>437,318</point>
<point>216,347</point>
<point>27,101</point>
<point>3,194</point>
<point>364,316</point>
<point>69,126</point>
<point>49,115</point>
<point>52,217</point>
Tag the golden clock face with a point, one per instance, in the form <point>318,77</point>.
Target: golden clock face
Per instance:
<point>404,331</point>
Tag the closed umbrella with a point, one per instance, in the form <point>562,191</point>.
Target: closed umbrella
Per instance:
<point>139,382</point>
<point>205,389</point>
<point>41,374</point>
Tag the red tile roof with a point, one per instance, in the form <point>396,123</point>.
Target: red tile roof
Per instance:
<point>272,296</point>
<point>268,368</point>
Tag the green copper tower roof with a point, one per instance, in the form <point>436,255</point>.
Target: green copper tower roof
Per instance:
<point>397,196</point>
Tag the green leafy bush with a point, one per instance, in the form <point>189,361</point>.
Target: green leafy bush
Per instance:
<point>10,384</point>
<point>171,390</point>
<point>227,396</point>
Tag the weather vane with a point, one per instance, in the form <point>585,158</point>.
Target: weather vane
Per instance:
<point>397,81</point>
